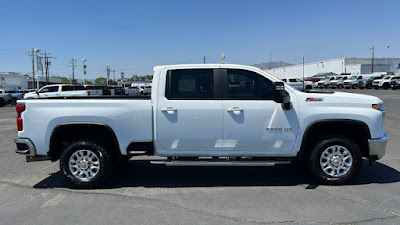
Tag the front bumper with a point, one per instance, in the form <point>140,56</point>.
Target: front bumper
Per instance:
<point>377,147</point>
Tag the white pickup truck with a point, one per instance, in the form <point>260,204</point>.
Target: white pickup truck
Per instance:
<point>205,115</point>
<point>62,90</point>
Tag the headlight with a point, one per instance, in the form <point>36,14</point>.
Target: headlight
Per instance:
<point>377,106</point>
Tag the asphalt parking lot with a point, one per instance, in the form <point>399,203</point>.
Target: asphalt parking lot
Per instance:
<point>35,193</point>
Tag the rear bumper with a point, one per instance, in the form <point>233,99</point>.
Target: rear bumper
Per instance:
<point>25,147</point>
<point>377,147</point>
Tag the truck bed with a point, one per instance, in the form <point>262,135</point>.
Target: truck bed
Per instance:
<point>129,117</point>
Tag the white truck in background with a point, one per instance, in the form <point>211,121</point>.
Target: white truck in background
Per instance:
<point>62,90</point>
<point>205,115</point>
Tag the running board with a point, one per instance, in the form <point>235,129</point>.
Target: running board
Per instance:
<point>218,163</point>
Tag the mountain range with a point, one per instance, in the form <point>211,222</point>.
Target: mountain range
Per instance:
<point>267,65</point>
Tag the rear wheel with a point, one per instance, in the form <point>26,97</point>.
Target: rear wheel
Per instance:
<point>334,160</point>
<point>2,102</point>
<point>369,86</point>
<point>340,86</point>
<point>354,86</point>
<point>85,164</point>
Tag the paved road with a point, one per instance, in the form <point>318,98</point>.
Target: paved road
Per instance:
<point>35,193</point>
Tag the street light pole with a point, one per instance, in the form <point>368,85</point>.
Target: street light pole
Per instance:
<point>108,74</point>
<point>84,71</point>
<point>387,47</point>
<point>372,61</point>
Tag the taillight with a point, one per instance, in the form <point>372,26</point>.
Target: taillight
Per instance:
<point>20,108</point>
<point>88,93</point>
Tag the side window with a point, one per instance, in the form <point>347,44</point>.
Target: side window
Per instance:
<point>49,89</point>
<point>67,88</point>
<point>248,85</point>
<point>79,88</point>
<point>293,80</point>
<point>190,84</point>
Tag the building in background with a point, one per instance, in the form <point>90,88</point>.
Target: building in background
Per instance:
<point>42,81</point>
<point>353,66</point>
<point>13,80</point>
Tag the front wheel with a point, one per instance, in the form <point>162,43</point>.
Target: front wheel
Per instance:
<point>85,164</point>
<point>340,86</point>
<point>334,160</point>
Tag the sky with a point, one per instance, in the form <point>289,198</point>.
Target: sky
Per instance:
<point>137,35</point>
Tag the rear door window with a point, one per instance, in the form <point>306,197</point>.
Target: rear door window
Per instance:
<point>190,84</point>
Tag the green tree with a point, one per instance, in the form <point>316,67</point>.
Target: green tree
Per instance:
<point>100,81</point>
<point>64,80</point>
<point>149,77</point>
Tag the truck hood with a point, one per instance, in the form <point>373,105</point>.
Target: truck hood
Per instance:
<point>341,98</point>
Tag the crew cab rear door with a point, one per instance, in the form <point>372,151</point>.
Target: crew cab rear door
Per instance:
<point>254,124</point>
<point>189,118</point>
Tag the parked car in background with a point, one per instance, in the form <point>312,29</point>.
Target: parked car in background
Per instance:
<point>62,90</point>
<point>385,82</point>
<point>338,82</point>
<point>298,84</point>
<point>145,90</point>
<point>368,82</point>
<point>5,98</point>
<point>326,82</point>
<point>131,91</point>
<point>395,84</point>
<point>15,95</point>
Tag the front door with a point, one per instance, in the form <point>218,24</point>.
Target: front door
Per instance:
<point>189,113</point>
<point>254,124</point>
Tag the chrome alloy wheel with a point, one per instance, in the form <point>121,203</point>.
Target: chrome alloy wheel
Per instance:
<point>84,164</point>
<point>336,161</point>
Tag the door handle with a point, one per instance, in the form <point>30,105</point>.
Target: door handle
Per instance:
<point>169,110</point>
<point>235,110</point>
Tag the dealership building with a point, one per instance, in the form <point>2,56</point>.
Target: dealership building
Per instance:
<point>353,66</point>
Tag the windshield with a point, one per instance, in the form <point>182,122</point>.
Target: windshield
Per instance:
<point>387,78</point>
<point>339,78</point>
<point>353,77</point>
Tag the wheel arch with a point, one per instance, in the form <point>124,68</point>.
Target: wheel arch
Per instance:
<point>355,129</point>
<point>65,133</point>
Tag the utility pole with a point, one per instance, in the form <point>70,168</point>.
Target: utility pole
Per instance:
<point>204,59</point>
<point>373,51</point>
<point>73,61</point>
<point>32,53</point>
<point>47,63</point>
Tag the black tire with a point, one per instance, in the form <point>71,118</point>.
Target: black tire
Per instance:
<point>2,102</point>
<point>14,101</point>
<point>394,87</point>
<point>354,86</point>
<point>322,145</point>
<point>385,86</point>
<point>369,86</point>
<point>104,159</point>
<point>361,87</point>
<point>376,88</point>
<point>340,86</point>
